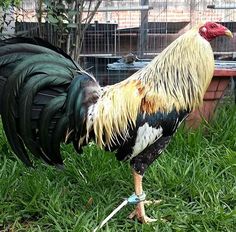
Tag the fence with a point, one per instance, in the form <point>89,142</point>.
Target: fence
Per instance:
<point>142,27</point>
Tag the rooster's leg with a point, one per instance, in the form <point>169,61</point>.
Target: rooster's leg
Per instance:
<point>139,211</point>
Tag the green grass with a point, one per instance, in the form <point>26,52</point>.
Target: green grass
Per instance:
<point>195,178</point>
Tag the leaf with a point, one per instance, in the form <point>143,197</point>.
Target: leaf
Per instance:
<point>49,3</point>
<point>60,6</point>
<point>52,19</point>
<point>72,12</point>
<point>69,1</point>
<point>72,25</point>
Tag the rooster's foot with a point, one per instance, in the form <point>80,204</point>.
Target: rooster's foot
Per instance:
<point>141,218</point>
<point>139,212</point>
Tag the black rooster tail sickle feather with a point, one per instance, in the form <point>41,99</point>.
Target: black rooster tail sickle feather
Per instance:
<point>42,92</point>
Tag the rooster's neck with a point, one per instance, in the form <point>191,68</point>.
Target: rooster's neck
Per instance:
<point>180,75</point>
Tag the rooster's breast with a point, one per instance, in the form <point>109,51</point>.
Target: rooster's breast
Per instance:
<point>149,137</point>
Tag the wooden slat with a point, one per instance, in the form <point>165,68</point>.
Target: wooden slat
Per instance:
<point>224,73</point>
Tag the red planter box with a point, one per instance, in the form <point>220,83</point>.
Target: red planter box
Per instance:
<point>214,93</point>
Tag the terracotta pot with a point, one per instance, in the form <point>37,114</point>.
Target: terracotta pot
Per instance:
<point>214,93</point>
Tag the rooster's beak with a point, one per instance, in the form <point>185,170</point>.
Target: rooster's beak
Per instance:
<point>228,33</point>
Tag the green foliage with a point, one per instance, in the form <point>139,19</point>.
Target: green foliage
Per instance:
<point>195,178</point>
<point>71,21</point>
<point>7,3</point>
<point>6,17</point>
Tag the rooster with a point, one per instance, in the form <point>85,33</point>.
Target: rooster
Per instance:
<point>47,99</point>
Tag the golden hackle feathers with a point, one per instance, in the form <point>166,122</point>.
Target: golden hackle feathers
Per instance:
<point>116,111</point>
<point>176,79</point>
<point>180,75</point>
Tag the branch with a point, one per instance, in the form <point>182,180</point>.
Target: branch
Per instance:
<point>91,16</point>
<point>90,3</point>
<point>80,31</point>
<point>39,16</point>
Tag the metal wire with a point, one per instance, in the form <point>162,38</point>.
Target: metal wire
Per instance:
<point>114,34</point>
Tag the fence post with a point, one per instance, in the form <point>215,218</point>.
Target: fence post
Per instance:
<point>143,31</point>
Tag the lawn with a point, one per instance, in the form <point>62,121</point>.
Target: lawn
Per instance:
<point>195,178</point>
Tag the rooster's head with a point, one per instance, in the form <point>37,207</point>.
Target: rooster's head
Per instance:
<point>211,30</point>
